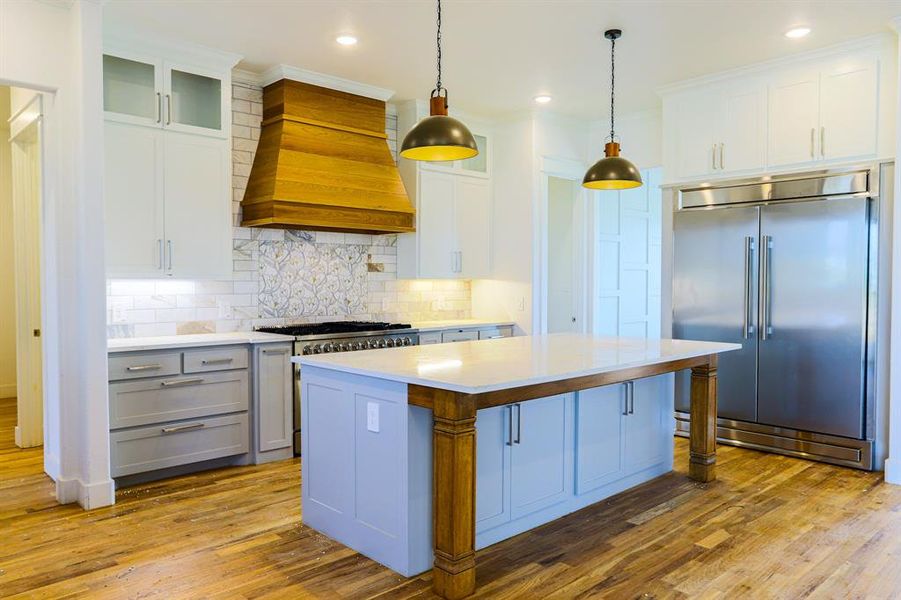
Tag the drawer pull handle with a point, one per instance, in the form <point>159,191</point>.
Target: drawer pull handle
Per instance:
<point>495,337</point>
<point>174,382</point>
<point>217,361</point>
<point>144,367</point>
<point>181,428</point>
<point>275,351</point>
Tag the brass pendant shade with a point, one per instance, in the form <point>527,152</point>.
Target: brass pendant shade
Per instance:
<point>439,137</point>
<point>612,172</point>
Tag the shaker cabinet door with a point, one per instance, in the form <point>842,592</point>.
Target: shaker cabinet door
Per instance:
<point>696,153</point>
<point>133,200</point>
<point>472,218</point>
<point>599,436</point>
<point>647,441</point>
<point>274,397</point>
<point>493,443</point>
<point>848,111</point>
<point>436,225</point>
<point>793,119</point>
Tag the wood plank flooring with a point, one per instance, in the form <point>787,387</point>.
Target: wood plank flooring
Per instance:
<point>770,527</point>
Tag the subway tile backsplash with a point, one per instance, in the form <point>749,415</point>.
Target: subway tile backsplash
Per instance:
<point>283,276</point>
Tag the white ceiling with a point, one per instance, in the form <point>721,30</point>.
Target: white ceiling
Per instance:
<point>498,54</point>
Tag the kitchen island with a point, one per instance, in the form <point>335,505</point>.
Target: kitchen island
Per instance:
<point>391,466</point>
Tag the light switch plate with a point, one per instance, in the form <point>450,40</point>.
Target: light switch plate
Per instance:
<point>372,416</point>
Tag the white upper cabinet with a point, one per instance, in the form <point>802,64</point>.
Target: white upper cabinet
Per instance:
<point>826,107</point>
<point>167,176</point>
<point>453,212</point>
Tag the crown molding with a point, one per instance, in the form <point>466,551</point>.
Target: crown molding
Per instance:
<point>870,42</point>
<point>279,72</point>
<point>176,51</point>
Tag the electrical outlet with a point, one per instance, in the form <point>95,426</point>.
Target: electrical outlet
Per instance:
<point>522,303</point>
<point>372,416</point>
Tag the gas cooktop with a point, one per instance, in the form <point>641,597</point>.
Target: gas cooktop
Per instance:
<point>303,329</point>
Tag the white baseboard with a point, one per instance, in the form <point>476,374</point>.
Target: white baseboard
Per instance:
<point>95,495</point>
<point>893,471</point>
<point>8,390</point>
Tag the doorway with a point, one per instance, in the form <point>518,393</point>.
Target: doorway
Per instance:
<point>563,297</point>
<point>21,376</point>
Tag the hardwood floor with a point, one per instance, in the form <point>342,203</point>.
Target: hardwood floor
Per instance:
<point>769,527</point>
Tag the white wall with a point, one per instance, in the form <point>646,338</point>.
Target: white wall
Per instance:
<point>7,291</point>
<point>56,48</point>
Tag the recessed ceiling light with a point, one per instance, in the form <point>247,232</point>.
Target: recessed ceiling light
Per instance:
<point>797,32</point>
<point>346,40</point>
<point>542,99</point>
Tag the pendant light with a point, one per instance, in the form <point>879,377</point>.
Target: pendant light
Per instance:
<point>439,137</point>
<point>612,172</point>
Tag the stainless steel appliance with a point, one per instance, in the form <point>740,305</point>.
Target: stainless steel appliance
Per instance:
<point>340,336</point>
<point>787,267</point>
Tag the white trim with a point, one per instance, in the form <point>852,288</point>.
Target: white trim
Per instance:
<point>871,42</point>
<point>279,72</point>
<point>95,495</point>
<point>171,50</point>
<point>893,471</point>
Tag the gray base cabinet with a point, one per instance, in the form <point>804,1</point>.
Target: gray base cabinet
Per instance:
<point>273,402</point>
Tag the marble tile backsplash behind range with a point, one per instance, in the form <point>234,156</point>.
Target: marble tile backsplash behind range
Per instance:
<point>283,276</point>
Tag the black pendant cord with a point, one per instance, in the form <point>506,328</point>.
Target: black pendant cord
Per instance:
<point>612,84</point>
<point>438,40</point>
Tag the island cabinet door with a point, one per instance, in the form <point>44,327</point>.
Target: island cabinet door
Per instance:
<point>649,423</point>
<point>540,463</point>
<point>600,421</point>
<point>493,444</point>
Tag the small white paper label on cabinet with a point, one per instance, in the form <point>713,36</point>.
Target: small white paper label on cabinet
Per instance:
<point>372,416</point>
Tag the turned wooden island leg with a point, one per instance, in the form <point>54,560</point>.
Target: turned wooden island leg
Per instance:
<point>454,494</point>
<point>702,446</point>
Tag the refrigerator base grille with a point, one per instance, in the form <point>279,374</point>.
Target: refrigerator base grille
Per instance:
<point>818,447</point>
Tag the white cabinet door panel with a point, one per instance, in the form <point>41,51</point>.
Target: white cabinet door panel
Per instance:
<point>848,111</point>
<point>198,207</point>
<point>539,456</point>
<point>436,225</point>
<point>472,219</point>
<point>132,194</point>
<point>599,436</point>
<point>493,467</point>
<point>645,432</point>
<point>793,120</point>
<point>743,128</point>
<point>696,115</point>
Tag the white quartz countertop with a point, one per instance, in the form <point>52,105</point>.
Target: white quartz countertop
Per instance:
<point>199,339</point>
<point>488,365</point>
<point>424,326</point>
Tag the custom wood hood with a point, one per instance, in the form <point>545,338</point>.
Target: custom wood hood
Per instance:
<point>323,163</point>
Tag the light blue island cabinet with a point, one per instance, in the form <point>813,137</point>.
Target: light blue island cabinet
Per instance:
<point>372,452</point>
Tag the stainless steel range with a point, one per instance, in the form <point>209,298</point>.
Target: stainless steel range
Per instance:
<point>340,336</point>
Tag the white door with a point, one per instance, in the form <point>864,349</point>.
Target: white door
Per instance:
<point>697,116</point>
<point>848,111</point>
<point>563,271</point>
<point>793,119</point>
<point>133,200</point>
<point>436,238</point>
<point>472,219</point>
<point>743,127</point>
<point>645,433</point>
<point>539,455</point>
<point>493,443</point>
<point>599,436</point>
<point>198,207</point>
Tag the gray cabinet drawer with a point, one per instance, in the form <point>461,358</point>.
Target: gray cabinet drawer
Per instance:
<point>182,397</point>
<point>432,337</point>
<point>459,335</point>
<point>215,359</point>
<point>169,445</point>
<point>495,332</point>
<point>131,365</point>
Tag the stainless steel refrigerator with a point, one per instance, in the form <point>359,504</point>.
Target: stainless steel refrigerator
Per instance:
<point>786,267</point>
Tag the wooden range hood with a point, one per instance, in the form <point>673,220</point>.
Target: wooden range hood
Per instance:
<point>323,163</point>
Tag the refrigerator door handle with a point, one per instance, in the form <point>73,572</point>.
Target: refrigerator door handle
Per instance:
<point>766,244</point>
<point>748,327</point>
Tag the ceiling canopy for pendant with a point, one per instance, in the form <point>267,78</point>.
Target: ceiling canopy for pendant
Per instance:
<point>612,172</point>
<point>439,137</point>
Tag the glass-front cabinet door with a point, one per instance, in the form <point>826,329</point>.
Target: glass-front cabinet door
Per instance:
<point>194,100</point>
<point>478,164</point>
<point>132,90</point>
